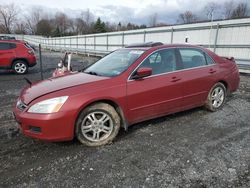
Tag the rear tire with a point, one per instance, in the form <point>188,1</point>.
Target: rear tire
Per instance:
<point>20,67</point>
<point>216,97</point>
<point>97,125</point>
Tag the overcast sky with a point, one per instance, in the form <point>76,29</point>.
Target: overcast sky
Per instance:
<point>136,11</point>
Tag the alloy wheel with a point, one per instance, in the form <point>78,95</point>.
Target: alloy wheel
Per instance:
<point>20,68</point>
<point>217,97</point>
<point>97,126</point>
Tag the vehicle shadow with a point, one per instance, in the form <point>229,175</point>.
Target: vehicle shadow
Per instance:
<point>154,122</point>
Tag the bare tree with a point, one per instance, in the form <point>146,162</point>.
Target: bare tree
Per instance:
<point>62,22</point>
<point>34,17</point>
<point>8,15</point>
<point>187,17</point>
<point>240,11</point>
<point>20,28</point>
<point>44,27</point>
<point>72,27</point>
<point>153,20</point>
<point>229,6</point>
<point>88,18</point>
<point>80,26</point>
<point>111,26</point>
<point>210,9</point>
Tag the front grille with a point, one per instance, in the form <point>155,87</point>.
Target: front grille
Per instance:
<point>20,105</point>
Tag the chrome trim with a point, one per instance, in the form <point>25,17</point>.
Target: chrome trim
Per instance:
<point>174,71</point>
<point>129,77</point>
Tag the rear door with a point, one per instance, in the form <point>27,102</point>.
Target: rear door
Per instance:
<point>7,53</point>
<point>199,74</point>
<point>158,94</point>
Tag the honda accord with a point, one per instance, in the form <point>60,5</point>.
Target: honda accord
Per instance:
<point>129,85</point>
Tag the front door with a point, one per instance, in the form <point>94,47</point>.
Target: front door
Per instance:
<point>158,94</point>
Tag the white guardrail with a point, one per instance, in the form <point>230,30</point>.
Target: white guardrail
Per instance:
<point>226,38</point>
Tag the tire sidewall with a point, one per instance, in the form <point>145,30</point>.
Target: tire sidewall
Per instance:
<point>209,104</point>
<point>114,117</point>
<point>19,61</point>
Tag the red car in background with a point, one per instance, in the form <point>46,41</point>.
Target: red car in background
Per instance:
<point>16,55</point>
<point>127,86</point>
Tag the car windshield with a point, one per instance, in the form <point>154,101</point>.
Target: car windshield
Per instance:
<point>115,63</point>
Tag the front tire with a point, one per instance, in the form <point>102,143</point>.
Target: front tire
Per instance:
<point>216,97</point>
<point>20,67</point>
<point>97,125</point>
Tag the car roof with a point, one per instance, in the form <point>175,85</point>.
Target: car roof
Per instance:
<point>13,41</point>
<point>181,46</point>
<point>145,44</point>
<point>162,46</point>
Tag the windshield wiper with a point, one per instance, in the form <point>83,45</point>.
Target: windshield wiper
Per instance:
<point>92,73</point>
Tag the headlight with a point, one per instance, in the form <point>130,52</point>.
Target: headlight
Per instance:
<point>48,106</point>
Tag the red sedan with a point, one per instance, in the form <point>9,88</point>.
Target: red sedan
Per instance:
<point>130,85</point>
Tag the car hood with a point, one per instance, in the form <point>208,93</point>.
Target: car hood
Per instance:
<point>55,84</point>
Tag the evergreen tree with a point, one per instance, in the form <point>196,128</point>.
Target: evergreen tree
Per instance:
<point>99,26</point>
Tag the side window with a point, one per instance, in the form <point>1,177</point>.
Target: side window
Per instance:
<point>155,58</point>
<point>210,61</point>
<point>192,58</point>
<point>5,46</point>
<point>162,61</point>
<point>12,45</point>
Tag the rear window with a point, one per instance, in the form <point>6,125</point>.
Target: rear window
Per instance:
<point>192,58</point>
<point>7,46</point>
<point>210,61</point>
<point>27,45</point>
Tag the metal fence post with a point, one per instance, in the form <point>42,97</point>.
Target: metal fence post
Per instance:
<point>94,43</point>
<point>85,44</point>
<point>70,45</point>
<point>64,42</point>
<point>107,41</point>
<point>77,43</point>
<point>41,62</point>
<point>144,36</point>
<point>172,35</point>
<point>122,39</point>
<point>49,42</point>
<point>216,36</point>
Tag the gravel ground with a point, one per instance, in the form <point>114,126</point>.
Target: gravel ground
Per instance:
<point>195,148</point>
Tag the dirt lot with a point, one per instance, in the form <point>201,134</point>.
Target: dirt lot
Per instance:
<point>195,148</point>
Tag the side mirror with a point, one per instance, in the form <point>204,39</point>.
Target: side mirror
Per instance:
<point>142,72</point>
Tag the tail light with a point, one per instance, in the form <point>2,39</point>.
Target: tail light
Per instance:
<point>229,58</point>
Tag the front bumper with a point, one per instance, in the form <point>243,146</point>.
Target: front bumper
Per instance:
<point>32,61</point>
<point>32,64</point>
<point>50,127</point>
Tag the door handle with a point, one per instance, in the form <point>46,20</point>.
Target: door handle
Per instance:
<point>175,79</point>
<point>212,71</point>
